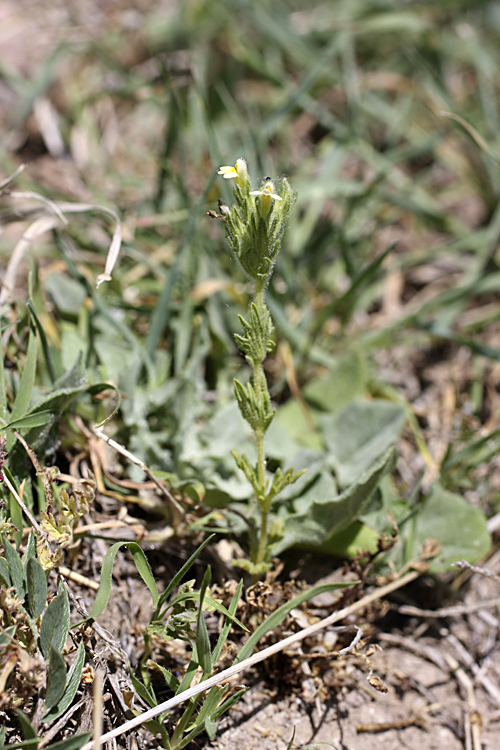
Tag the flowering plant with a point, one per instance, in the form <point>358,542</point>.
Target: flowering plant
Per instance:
<point>254,228</point>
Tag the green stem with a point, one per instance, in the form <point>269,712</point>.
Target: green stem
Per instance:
<point>259,439</point>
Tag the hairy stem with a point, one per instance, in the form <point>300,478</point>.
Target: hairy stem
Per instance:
<point>259,439</point>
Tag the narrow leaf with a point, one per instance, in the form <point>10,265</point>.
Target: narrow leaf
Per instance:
<point>72,684</point>
<point>276,618</point>
<point>16,569</point>
<point>5,578</point>
<point>72,743</point>
<point>27,727</point>
<point>143,568</point>
<point>55,624</point>
<point>37,419</point>
<point>36,587</point>
<point>56,678</point>
<point>202,639</point>
<point>180,575</point>
<point>26,384</point>
<point>143,692</point>
<point>227,625</point>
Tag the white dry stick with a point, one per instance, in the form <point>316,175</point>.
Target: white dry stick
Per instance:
<point>476,569</point>
<point>97,710</point>
<point>472,718</point>
<point>21,504</point>
<point>38,227</point>
<point>217,679</point>
<point>114,248</point>
<point>137,461</point>
<point>50,221</point>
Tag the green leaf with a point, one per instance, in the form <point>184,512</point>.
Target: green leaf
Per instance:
<point>170,679</point>
<point>323,517</point>
<point>226,705</point>
<point>30,551</point>
<point>16,514</point>
<point>227,624</point>
<point>180,575</point>
<point>27,727</point>
<point>355,539</point>
<point>16,569</point>
<point>359,434</point>
<point>56,678</point>
<point>55,624</point>
<point>37,587</point>
<point>72,685</point>
<point>7,634</point>
<point>5,578</point>
<point>31,420</point>
<point>277,617</point>
<point>72,743</point>
<point>143,692</point>
<point>143,568</point>
<point>460,528</point>
<point>26,384</point>
<point>43,338</point>
<point>345,380</point>
<point>202,639</point>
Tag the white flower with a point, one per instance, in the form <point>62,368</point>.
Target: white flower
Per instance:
<point>267,196</point>
<point>239,173</point>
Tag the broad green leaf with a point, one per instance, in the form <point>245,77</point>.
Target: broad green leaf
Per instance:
<point>63,393</point>
<point>299,425</point>
<point>143,568</point>
<point>459,527</point>
<point>36,587</point>
<point>16,569</point>
<point>55,624</point>
<point>354,540</point>
<point>72,685</point>
<point>66,293</point>
<point>56,678</point>
<point>325,516</point>
<point>359,434</point>
<point>277,617</point>
<point>343,382</point>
